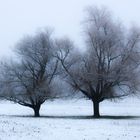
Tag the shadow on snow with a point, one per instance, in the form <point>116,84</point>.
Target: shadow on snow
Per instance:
<point>77,117</point>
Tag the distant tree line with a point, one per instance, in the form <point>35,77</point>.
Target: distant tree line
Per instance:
<point>107,69</point>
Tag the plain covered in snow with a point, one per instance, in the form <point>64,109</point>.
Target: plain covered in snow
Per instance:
<point>71,120</point>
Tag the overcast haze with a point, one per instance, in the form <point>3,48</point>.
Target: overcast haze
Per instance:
<point>21,17</point>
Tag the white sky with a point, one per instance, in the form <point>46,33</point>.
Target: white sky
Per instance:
<point>21,17</point>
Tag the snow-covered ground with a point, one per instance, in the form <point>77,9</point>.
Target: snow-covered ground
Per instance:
<point>71,120</point>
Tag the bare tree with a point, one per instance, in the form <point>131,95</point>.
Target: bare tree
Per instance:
<point>109,68</point>
<point>29,82</point>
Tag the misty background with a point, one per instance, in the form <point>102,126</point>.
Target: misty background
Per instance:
<point>21,17</point>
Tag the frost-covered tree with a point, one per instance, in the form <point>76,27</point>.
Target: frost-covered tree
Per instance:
<point>30,80</point>
<point>109,68</point>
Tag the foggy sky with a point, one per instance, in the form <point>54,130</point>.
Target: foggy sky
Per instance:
<point>21,17</point>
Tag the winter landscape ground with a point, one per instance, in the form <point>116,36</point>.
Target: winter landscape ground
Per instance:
<point>71,120</point>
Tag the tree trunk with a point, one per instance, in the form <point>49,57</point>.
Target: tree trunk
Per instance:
<point>96,109</point>
<point>36,110</point>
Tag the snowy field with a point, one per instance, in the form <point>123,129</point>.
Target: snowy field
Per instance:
<point>71,120</point>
